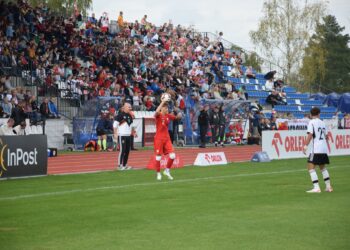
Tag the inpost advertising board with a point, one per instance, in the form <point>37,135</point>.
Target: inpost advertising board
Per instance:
<point>23,156</point>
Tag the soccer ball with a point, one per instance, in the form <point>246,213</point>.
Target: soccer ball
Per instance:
<point>165,97</point>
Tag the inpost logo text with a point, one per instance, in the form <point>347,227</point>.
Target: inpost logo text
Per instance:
<point>19,156</point>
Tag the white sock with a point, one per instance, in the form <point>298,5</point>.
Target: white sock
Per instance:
<point>314,178</point>
<point>326,178</point>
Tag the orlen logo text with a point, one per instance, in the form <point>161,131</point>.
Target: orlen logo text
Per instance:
<point>213,158</point>
<point>17,157</point>
<point>342,141</point>
<point>290,144</point>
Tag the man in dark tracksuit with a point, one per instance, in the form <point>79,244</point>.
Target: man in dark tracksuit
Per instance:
<point>222,118</point>
<point>203,124</point>
<point>214,121</point>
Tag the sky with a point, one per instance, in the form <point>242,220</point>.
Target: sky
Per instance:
<point>235,18</point>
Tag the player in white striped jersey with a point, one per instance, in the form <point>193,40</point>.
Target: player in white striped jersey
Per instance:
<point>317,132</point>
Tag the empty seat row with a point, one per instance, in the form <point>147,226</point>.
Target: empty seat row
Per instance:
<point>257,94</point>
<point>286,108</point>
<point>328,109</point>
<point>312,102</point>
<point>245,80</point>
<point>252,87</point>
<point>289,90</point>
<point>297,96</point>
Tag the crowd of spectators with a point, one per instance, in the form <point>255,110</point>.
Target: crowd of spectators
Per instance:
<point>20,105</point>
<point>133,61</point>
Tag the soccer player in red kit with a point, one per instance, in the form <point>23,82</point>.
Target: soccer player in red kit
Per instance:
<point>162,141</point>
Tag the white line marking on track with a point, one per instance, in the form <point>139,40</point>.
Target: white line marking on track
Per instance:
<point>27,196</point>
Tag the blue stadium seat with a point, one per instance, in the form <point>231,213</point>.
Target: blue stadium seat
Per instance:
<point>226,68</point>
<point>268,114</point>
<point>328,109</point>
<point>238,85</point>
<point>229,78</point>
<point>257,94</point>
<point>291,102</point>
<point>259,76</point>
<point>262,101</point>
<point>286,108</point>
<point>326,116</point>
<point>252,81</point>
<point>236,80</point>
<point>289,90</point>
<point>252,87</point>
<point>312,102</point>
<point>306,108</point>
<point>297,96</point>
<point>298,115</point>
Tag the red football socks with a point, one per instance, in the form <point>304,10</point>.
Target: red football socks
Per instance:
<point>158,166</point>
<point>169,163</point>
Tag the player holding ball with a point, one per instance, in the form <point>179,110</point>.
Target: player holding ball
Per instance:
<point>162,141</point>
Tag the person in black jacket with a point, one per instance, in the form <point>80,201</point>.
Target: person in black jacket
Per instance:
<point>203,124</point>
<point>103,128</point>
<point>18,114</point>
<point>214,121</point>
<point>222,121</point>
<point>275,99</point>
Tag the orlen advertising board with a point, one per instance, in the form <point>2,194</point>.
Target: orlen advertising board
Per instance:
<point>289,144</point>
<point>209,159</point>
<point>23,155</point>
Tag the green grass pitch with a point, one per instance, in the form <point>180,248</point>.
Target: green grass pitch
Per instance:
<point>238,206</point>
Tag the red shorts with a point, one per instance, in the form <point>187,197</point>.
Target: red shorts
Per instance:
<point>163,146</point>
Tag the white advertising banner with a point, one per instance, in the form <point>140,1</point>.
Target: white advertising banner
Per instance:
<point>209,159</point>
<point>289,144</point>
<point>331,124</point>
<point>301,124</point>
<point>294,124</point>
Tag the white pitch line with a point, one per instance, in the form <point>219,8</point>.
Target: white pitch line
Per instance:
<point>26,196</point>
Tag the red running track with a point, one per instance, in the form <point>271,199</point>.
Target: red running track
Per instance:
<point>102,161</point>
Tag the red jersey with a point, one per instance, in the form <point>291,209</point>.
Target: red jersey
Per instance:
<point>162,124</point>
